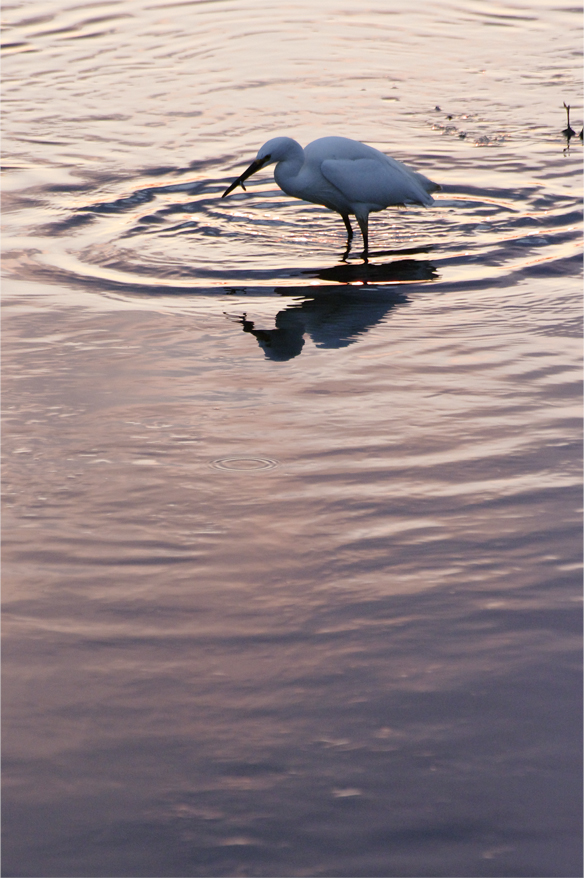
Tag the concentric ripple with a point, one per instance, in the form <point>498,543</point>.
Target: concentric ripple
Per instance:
<point>180,237</point>
<point>244,464</point>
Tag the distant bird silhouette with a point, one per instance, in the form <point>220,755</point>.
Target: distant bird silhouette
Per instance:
<point>569,131</point>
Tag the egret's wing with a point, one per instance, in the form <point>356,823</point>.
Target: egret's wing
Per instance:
<point>375,182</point>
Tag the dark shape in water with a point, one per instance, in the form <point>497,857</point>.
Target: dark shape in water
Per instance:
<point>399,271</point>
<point>334,317</point>
<point>569,131</point>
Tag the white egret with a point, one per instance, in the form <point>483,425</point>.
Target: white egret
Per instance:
<point>344,175</point>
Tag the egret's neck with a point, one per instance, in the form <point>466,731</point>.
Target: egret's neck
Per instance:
<point>288,168</point>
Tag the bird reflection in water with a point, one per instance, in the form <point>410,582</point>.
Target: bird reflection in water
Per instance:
<point>335,316</point>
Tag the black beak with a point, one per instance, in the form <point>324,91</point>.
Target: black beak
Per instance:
<point>255,166</point>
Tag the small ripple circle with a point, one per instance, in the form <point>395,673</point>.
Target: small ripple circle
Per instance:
<point>244,464</point>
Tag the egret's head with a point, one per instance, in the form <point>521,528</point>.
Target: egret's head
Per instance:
<point>278,149</point>
<point>275,150</point>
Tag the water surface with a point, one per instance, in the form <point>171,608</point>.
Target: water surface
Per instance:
<point>292,542</point>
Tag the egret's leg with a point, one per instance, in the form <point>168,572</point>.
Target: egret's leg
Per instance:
<point>347,226</point>
<point>364,226</point>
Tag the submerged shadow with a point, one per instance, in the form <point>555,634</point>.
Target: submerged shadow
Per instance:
<point>336,315</point>
<point>398,271</point>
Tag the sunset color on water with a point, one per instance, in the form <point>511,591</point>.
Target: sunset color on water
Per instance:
<point>292,534</point>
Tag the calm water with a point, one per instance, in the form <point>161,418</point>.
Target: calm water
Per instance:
<point>292,544</point>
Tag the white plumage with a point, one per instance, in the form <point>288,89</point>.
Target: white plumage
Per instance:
<point>344,175</point>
